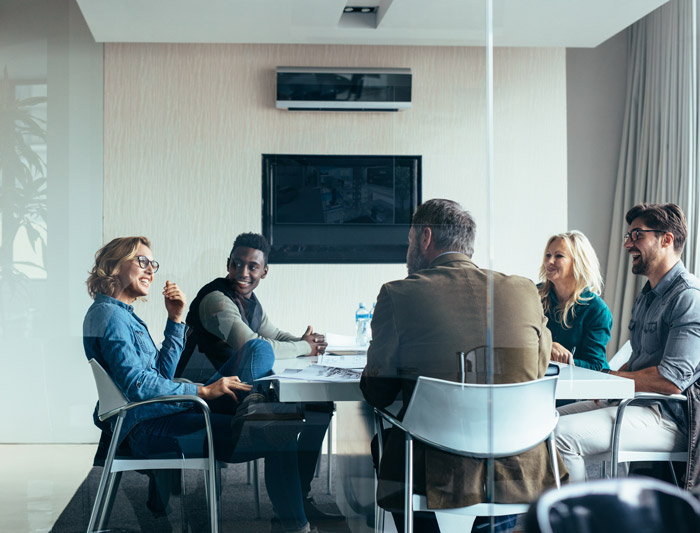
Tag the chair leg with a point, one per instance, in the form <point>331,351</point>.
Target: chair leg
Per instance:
<point>555,461</point>
<point>248,475</point>
<point>379,516</point>
<point>329,457</point>
<point>211,490</point>
<point>256,489</point>
<point>408,496</point>
<point>673,473</point>
<point>106,470</point>
<point>110,495</point>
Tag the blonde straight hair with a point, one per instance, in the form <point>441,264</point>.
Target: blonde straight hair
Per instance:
<point>108,260</point>
<point>586,274</point>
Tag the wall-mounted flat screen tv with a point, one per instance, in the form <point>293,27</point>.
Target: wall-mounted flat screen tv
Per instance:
<point>339,208</point>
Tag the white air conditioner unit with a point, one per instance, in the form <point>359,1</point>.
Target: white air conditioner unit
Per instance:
<point>343,89</point>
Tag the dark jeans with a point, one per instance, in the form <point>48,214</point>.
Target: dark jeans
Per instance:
<point>185,433</point>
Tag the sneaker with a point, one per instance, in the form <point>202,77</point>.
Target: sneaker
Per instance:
<point>314,514</point>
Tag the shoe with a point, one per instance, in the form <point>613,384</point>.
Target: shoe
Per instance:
<point>314,514</point>
<point>250,400</point>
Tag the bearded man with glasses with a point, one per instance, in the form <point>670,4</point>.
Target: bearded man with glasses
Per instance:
<point>665,338</point>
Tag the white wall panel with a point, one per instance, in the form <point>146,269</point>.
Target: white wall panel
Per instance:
<point>185,127</point>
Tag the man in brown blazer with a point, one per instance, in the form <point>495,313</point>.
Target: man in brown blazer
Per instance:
<point>420,324</point>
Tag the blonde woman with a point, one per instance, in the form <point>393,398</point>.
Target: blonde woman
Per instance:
<point>570,289</point>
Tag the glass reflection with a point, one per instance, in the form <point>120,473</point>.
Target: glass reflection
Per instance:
<point>23,198</point>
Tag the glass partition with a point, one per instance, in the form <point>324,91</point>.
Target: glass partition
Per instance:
<point>174,141</point>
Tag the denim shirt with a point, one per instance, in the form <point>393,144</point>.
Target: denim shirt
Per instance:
<point>121,343</point>
<point>665,332</point>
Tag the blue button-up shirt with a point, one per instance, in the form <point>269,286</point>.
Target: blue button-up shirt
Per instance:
<point>665,332</point>
<point>121,343</point>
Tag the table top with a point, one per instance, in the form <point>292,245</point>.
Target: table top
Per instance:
<point>575,383</point>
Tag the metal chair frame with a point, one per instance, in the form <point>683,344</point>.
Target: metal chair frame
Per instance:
<point>619,456</point>
<point>113,403</point>
<point>477,438</point>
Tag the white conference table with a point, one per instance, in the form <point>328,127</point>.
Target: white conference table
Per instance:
<point>355,480</point>
<point>575,383</point>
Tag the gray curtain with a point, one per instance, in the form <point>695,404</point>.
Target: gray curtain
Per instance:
<point>658,156</point>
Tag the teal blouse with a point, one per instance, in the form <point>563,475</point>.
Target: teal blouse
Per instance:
<point>588,332</point>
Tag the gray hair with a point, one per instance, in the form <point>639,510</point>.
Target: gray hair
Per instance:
<point>454,229</point>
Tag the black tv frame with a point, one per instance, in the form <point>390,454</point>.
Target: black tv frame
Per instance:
<point>305,252</point>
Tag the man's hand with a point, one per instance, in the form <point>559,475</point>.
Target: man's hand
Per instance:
<point>316,340</point>
<point>561,354</point>
<point>174,301</point>
<point>224,386</point>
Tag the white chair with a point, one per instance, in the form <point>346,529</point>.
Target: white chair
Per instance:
<point>113,403</point>
<point>628,456</point>
<point>621,356</point>
<point>484,421</point>
<point>631,455</point>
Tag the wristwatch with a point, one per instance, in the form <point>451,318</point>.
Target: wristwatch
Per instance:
<point>605,370</point>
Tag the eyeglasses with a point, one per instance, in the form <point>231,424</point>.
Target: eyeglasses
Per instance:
<point>634,234</point>
<point>144,262</point>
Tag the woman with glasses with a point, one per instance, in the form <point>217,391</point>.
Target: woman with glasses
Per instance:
<point>570,287</point>
<point>119,340</point>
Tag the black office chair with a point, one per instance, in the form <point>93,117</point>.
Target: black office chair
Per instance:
<point>623,505</point>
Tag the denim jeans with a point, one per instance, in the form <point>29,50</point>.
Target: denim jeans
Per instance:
<point>183,433</point>
<point>255,362</point>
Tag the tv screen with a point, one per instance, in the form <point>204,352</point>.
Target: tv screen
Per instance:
<point>339,209</point>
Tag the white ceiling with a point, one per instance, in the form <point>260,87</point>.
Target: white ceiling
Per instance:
<point>568,23</point>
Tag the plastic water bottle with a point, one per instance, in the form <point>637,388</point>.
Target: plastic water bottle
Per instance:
<point>371,316</point>
<point>362,324</point>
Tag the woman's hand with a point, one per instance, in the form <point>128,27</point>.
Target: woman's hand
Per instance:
<point>316,340</point>
<point>174,301</point>
<point>224,386</point>
<point>561,354</point>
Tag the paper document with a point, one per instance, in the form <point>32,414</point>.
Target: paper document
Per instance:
<point>343,345</point>
<point>319,373</point>
<point>343,361</point>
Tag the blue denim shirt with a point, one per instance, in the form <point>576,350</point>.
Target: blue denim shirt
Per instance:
<point>665,332</point>
<point>121,343</point>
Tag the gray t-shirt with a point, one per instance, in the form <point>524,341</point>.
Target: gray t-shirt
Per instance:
<point>665,332</point>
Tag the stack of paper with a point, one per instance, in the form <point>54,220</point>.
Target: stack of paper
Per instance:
<point>343,345</point>
<point>343,361</point>
<point>319,373</point>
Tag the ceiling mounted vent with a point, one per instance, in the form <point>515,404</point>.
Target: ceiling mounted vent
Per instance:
<point>343,89</point>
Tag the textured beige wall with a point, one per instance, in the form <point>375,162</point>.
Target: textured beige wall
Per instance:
<point>185,127</point>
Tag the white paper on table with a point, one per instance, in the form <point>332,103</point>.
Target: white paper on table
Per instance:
<point>343,361</point>
<point>319,373</point>
<point>343,345</point>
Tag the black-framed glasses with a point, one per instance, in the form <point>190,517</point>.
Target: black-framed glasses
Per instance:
<point>145,261</point>
<point>634,234</point>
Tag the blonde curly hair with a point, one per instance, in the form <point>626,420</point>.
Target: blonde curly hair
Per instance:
<point>108,260</point>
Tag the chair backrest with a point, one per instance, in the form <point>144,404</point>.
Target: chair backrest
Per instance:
<point>622,505</point>
<point>621,356</point>
<point>482,420</point>
<point>110,397</point>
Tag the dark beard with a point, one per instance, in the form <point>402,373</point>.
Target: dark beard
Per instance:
<point>640,268</point>
<point>416,261</point>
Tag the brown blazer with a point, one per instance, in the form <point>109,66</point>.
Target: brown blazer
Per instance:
<point>419,325</point>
